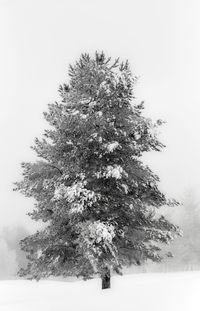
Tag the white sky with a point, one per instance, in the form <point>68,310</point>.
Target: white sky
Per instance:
<point>38,40</point>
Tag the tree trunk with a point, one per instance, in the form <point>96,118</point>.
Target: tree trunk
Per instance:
<point>106,279</point>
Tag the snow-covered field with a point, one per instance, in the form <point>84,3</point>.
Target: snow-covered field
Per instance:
<point>137,292</point>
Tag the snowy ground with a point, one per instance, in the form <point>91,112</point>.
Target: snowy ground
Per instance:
<point>139,292</point>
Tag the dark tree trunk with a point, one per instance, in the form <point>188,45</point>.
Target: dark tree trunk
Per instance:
<point>106,279</point>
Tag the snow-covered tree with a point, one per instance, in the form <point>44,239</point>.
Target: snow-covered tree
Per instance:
<point>92,190</point>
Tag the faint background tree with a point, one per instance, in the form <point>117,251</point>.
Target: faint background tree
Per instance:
<point>12,258</point>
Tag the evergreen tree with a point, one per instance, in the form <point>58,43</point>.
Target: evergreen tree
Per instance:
<point>92,190</point>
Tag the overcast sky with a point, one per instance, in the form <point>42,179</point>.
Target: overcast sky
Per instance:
<point>39,39</point>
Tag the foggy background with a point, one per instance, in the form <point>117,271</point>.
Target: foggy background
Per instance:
<point>161,39</point>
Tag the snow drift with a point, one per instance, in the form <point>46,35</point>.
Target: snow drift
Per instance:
<point>141,292</point>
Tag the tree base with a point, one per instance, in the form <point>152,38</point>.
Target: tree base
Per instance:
<point>106,279</point>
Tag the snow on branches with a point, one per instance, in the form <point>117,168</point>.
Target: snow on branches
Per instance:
<point>98,236</point>
<point>110,147</point>
<point>76,194</point>
<point>111,171</point>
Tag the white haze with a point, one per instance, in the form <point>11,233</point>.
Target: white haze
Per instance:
<point>39,39</point>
